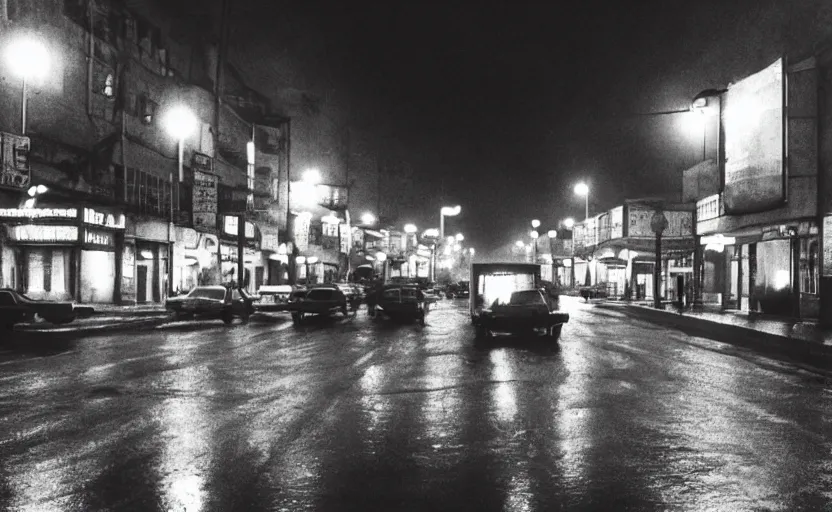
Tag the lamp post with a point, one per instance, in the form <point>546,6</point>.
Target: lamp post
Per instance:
<point>447,211</point>
<point>582,189</point>
<point>28,58</point>
<point>180,123</point>
<point>552,234</point>
<point>569,223</point>
<point>535,235</point>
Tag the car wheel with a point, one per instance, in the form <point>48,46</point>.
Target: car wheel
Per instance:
<point>227,317</point>
<point>296,318</point>
<point>554,332</point>
<point>244,317</point>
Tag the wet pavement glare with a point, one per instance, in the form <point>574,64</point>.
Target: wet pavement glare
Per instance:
<point>358,414</point>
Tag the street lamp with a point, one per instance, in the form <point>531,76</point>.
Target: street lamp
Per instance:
<point>312,176</point>
<point>447,211</point>
<point>535,223</point>
<point>535,235</point>
<point>582,189</point>
<point>459,237</point>
<point>410,228</point>
<point>368,219</point>
<point>569,222</point>
<point>28,59</point>
<point>180,123</point>
<point>552,233</point>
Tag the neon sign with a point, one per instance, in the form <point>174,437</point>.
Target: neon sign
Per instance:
<point>39,213</point>
<point>106,220</point>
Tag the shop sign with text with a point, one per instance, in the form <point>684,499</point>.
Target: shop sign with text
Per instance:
<point>44,234</point>
<point>105,220</point>
<point>205,200</point>
<point>99,239</point>
<point>38,213</point>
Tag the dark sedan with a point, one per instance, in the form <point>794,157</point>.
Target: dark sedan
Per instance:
<point>220,302</point>
<point>402,302</point>
<point>525,312</point>
<point>18,308</point>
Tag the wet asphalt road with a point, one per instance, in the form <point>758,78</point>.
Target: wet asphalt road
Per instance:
<point>357,415</point>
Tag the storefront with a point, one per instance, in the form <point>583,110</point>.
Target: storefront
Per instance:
<point>772,270</point>
<point>63,253</point>
<point>253,263</point>
<point>148,242</point>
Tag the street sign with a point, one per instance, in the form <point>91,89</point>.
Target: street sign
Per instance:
<point>658,222</point>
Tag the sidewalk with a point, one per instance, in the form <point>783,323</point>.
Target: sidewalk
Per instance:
<point>107,318</point>
<point>802,340</point>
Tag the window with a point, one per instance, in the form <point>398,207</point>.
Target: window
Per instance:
<point>76,10</point>
<point>320,294</point>
<point>208,293</point>
<point>108,85</point>
<point>147,109</point>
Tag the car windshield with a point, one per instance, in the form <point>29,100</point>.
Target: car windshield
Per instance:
<point>207,293</point>
<point>321,294</point>
<point>526,298</point>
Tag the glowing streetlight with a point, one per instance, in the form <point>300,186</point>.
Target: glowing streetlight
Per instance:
<point>534,234</point>
<point>459,237</point>
<point>535,223</point>
<point>582,189</point>
<point>368,219</point>
<point>381,257</point>
<point>520,244</point>
<point>311,260</point>
<point>447,211</point>
<point>180,123</point>
<point>431,233</point>
<point>312,176</point>
<point>37,190</point>
<point>569,222</point>
<point>450,240</point>
<point>28,59</point>
<point>471,251</point>
<point>552,233</point>
<point>410,228</point>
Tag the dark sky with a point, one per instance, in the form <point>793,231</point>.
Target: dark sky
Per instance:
<point>504,106</point>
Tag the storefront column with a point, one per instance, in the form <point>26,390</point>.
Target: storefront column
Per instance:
<point>752,277</point>
<point>698,271</point>
<point>795,270</point>
<point>738,284</point>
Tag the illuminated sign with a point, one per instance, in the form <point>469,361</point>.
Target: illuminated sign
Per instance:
<point>107,220</point>
<point>231,224</point>
<point>30,233</point>
<point>38,213</point>
<point>718,240</point>
<point>99,238</point>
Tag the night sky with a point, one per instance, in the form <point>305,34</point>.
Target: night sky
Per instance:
<point>502,107</point>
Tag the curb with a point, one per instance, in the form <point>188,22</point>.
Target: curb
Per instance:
<point>816,354</point>
<point>144,323</point>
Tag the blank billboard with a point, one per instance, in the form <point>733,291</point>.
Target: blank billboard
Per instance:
<point>752,120</point>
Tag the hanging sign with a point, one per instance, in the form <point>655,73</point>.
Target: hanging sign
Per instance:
<point>204,200</point>
<point>99,239</point>
<point>14,161</point>
<point>38,213</point>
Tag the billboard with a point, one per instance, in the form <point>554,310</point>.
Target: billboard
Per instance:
<point>204,200</point>
<point>14,159</point>
<point>752,120</point>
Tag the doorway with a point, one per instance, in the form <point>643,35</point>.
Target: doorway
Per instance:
<point>141,284</point>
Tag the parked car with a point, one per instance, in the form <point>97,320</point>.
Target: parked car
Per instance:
<point>402,302</point>
<point>458,290</point>
<point>272,298</point>
<point>596,291</point>
<point>319,301</point>
<point>16,307</point>
<point>353,293</point>
<point>222,302</point>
